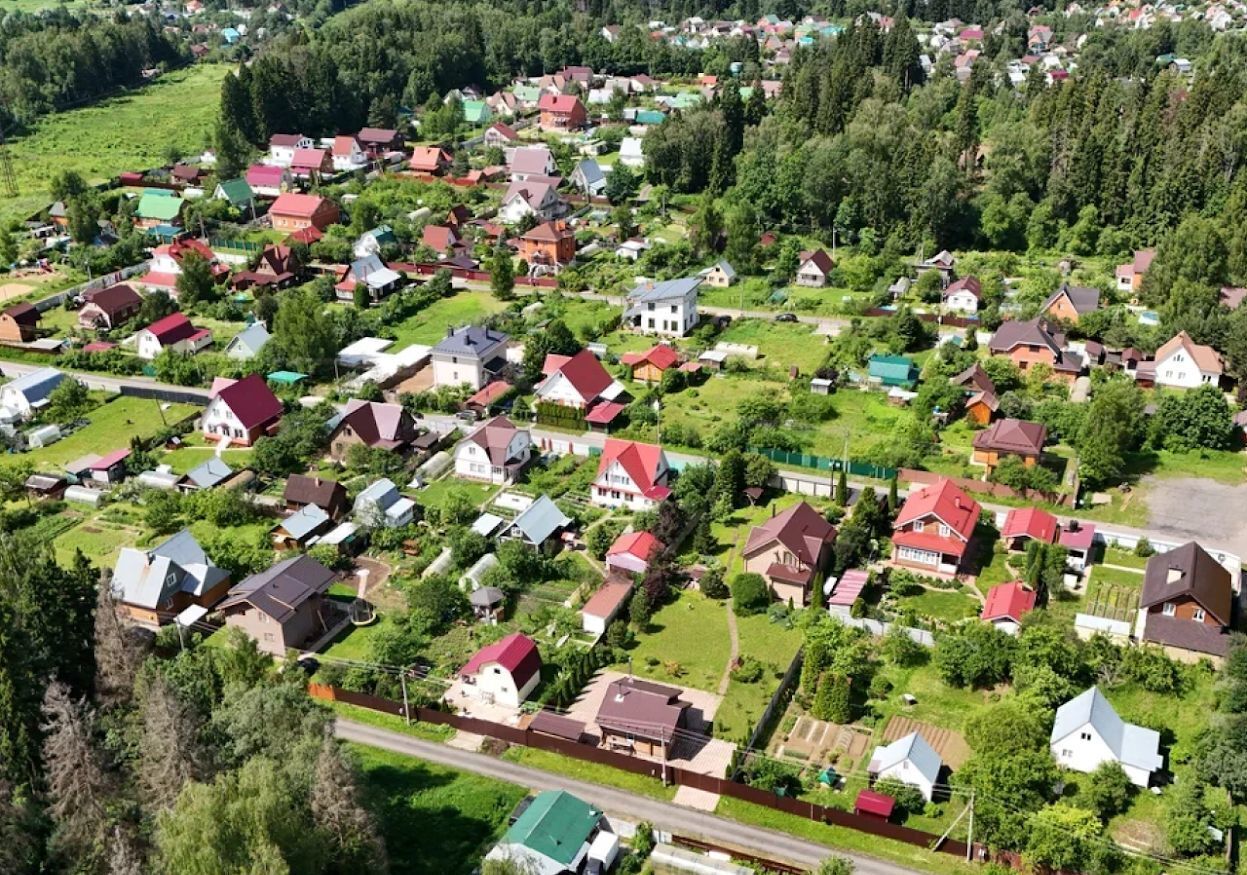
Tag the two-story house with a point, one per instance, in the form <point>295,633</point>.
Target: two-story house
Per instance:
<point>240,410</point>
<point>631,475</point>
<point>532,197</point>
<point>468,355</point>
<point>813,268</point>
<point>1187,604</point>
<point>174,332</point>
<point>581,383</point>
<point>1034,342</point>
<point>1181,363</point>
<point>562,112</point>
<point>667,308</point>
<point>495,451</point>
<point>109,307</point>
<point>551,244</point>
<point>1087,733</point>
<point>281,148</point>
<point>963,295</point>
<point>1009,437</point>
<point>1070,303</point>
<point>933,529</point>
<point>373,424</point>
<point>791,551</point>
<point>1130,275</point>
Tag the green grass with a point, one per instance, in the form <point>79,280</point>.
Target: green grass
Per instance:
<point>430,324</point>
<point>937,703</point>
<point>98,540</point>
<point>355,642</point>
<point>1223,466</point>
<point>689,634</point>
<point>773,644</point>
<point>583,770</point>
<point>780,344</point>
<point>1125,558</point>
<point>187,458</point>
<point>427,731</point>
<point>948,605</point>
<point>435,821</point>
<point>1116,577</point>
<point>437,492</point>
<point>131,132</point>
<point>112,426</point>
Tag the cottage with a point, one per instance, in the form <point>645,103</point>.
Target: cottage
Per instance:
<point>268,180</point>
<point>934,527</point>
<point>432,160</point>
<point>791,551</point>
<point>380,142</point>
<point>495,451</point>
<point>632,551</point>
<point>283,607</point>
<point>557,833</point>
<point>157,208</point>
<point>19,323</point>
<point>1087,732</point>
<point>371,241</point>
<point>667,308</point>
<point>373,274</point>
<point>1130,275</point>
<point>641,716</point>
<point>942,262</point>
<point>909,760</point>
<point>240,411</point>
<point>154,586</point>
<point>293,212</point>
<point>301,528</point>
<point>649,366</point>
<point>109,307</point>
<point>531,162</point>
<point>589,178</point>
<point>579,382</point>
<point>442,239</point>
<point>631,475</point>
<point>281,148</point>
<point>277,267</point>
<point>470,355</point>
<point>540,526</point>
<point>1070,303</point>
<point>632,152</point>
<point>381,505</point>
<point>1181,363</point>
<point>347,154</point>
<point>45,486</point>
<point>246,344</point>
<point>563,112</point>
<point>500,135</point>
<point>206,475</point>
<point>1025,524</point>
<point>720,275</point>
<point>605,604</point>
<point>551,244</point>
<point>174,332</point>
<point>1009,437</point>
<point>892,371</point>
<point>813,268</point>
<point>22,397</point>
<point>1007,604</point>
<point>532,197</point>
<point>503,673</point>
<point>963,295</point>
<point>303,491</point>
<point>167,264</point>
<point>1035,342</point>
<point>982,401</point>
<point>1187,604</point>
<point>372,424</point>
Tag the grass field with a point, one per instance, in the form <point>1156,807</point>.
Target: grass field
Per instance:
<point>111,428</point>
<point>130,132</point>
<point>948,605</point>
<point>781,345</point>
<point>689,634</point>
<point>430,324</point>
<point>435,821</point>
<point>437,492</point>
<point>587,771</point>
<point>775,645</point>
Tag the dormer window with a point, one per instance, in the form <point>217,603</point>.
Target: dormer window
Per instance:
<point>1169,609</point>
<point>1199,615</point>
<point>944,531</point>
<point>918,524</point>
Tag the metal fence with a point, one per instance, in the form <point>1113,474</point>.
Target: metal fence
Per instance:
<point>247,246</point>
<point>823,463</point>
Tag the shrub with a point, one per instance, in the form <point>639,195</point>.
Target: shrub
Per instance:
<point>712,584</point>
<point>748,671</point>
<point>750,594</point>
<point>1144,548</point>
<point>909,799</point>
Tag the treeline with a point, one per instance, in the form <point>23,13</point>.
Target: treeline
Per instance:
<point>53,62</point>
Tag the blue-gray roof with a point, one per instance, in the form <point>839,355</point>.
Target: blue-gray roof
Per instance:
<point>470,340</point>
<point>37,385</point>
<point>591,171</point>
<point>1130,744</point>
<point>252,339</point>
<point>209,474</point>
<point>304,521</point>
<point>383,493</point>
<point>665,290</point>
<point>912,747</point>
<point>541,520</point>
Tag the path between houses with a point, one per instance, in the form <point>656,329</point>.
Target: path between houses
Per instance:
<point>732,632</point>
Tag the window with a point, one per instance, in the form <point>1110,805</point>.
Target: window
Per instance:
<point>1085,736</point>
<point>497,670</point>
<point>1169,609</point>
<point>944,531</point>
<point>1199,615</point>
<point>918,525</point>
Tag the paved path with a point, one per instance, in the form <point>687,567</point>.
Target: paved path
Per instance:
<point>664,815</point>
<point>106,383</point>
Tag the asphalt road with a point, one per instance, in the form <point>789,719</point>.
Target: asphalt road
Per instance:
<point>628,806</point>
<point>103,382</point>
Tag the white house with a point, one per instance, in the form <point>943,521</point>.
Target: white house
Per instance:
<point>20,398</point>
<point>1088,732</point>
<point>281,148</point>
<point>530,162</point>
<point>631,475</point>
<point>382,505</point>
<point>530,198</point>
<point>503,673</point>
<point>667,308</point>
<point>468,356</point>
<point>1184,364</point>
<point>631,152</point>
<point>910,760</point>
<point>813,269</point>
<point>577,381</point>
<point>720,275</point>
<point>247,343</point>
<point>348,154</point>
<point>495,451</point>
<point>962,296</point>
<point>174,332</point>
<point>240,410</point>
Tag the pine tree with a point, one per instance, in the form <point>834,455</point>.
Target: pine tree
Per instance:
<point>78,788</point>
<point>171,755</point>
<point>842,489</point>
<point>967,127</point>
<point>893,498</point>
<point>338,811</point>
<point>118,652</point>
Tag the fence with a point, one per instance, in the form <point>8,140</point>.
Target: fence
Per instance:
<point>823,463</point>
<point>247,246</point>
<point>683,777</point>
<point>475,276</point>
<point>187,395</point>
<point>879,628</point>
<point>100,282</point>
<point>982,487</point>
<point>951,321</point>
<point>779,701</point>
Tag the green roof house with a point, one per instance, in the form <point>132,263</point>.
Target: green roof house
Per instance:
<point>892,370</point>
<point>158,209</point>
<point>552,835</point>
<point>476,112</point>
<point>236,191</point>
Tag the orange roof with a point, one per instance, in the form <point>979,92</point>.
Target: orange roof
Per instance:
<point>660,356</point>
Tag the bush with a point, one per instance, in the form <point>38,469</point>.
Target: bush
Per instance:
<point>750,594</point>
<point>909,799</point>
<point>712,584</point>
<point>1144,548</point>
<point>748,671</point>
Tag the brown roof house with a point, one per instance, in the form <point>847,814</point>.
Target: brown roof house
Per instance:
<point>813,268</point>
<point>982,401</point>
<point>1035,342</point>
<point>1187,603</point>
<point>1181,363</point>
<point>154,586</point>
<point>19,323</point>
<point>329,495</point>
<point>1009,437</point>
<point>372,424</point>
<point>495,451</point>
<point>109,307</point>
<point>283,606</point>
<point>1069,303</point>
<point>791,550</point>
<point>641,716</point>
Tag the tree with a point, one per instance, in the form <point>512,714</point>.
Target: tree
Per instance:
<point>1112,429</point>
<point>303,338</point>
<point>1061,837</point>
<point>1196,419</point>
<point>835,866</point>
<point>1188,820</point>
<point>743,234</point>
<point>974,655</point>
<point>83,213</point>
<point>434,603</point>
<point>68,402</point>
<point>118,651</point>
<point>833,701</point>
<point>156,305</point>
<point>1194,251</point>
<point>339,813</point>
<point>170,752</point>
<point>1107,790</point>
<point>77,786</point>
<point>842,489</point>
<point>360,296</point>
<point>625,223</point>
<point>712,585</point>
<point>621,184</point>
<point>750,594</point>
<point>729,479</point>
<point>502,274</point>
<point>705,226</point>
<point>639,610</point>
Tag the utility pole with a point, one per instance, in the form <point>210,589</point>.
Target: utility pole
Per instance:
<point>970,836</point>
<point>402,679</point>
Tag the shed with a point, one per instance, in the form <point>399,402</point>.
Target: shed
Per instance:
<point>892,370</point>
<point>874,804</point>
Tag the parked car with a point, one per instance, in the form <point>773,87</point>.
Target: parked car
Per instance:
<point>786,317</point>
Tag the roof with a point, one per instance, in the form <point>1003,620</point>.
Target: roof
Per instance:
<point>470,340</point>
<point>388,426</point>
<point>1207,359</point>
<point>1032,332</point>
<point>1013,436</point>
<point>641,708</point>
<point>912,747</point>
<point>642,545</point>
<point>974,377</point>
<point>848,587</point>
<point>313,158</point>
<point>533,191</point>
<point>163,207</point>
<point>236,191</point>
<point>874,803</point>
<point>505,130</point>
<point>486,596</point>
<point>114,299</point>
<point>265,174</point>
<point>892,367</point>
<point>945,501</point>
<point>1188,571</point>
<point>531,159</point>
<point>149,578</point>
<point>494,437</point>
<point>1010,601</point>
<point>556,825</point>
<point>666,290</point>
<point>171,329</point>
<point>641,462</point>
<point>541,520</point>
<point>1130,744</point>
<point>1143,260</point>
<point>590,171</point>
<point>1186,634</point>
<point>488,394</point>
<point>210,473</point>
<point>279,590</point>
<point>660,356</point>
<point>801,529</point>
<point>377,135</point>
<point>303,206</point>
<point>439,237</point>
<point>549,232</point>
<point>37,385</point>
<point>428,158</point>
<point>252,338</point>
<point>584,372</point>
<point>559,103</point>
<point>285,139</point>
<point>304,521</point>
<point>1077,535</point>
<point>1083,299</point>
<point>608,599</point>
<point>250,399</point>
<point>549,723</point>
<point>969,284</point>
<point>517,653</point>
<point>302,489</point>
<point>1030,522</point>
<point>108,460</point>
<point>819,258</point>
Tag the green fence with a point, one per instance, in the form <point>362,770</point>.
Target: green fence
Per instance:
<point>823,463</point>
<point>246,246</point>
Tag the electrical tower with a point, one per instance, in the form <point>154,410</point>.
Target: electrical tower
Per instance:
<point>7,180</point>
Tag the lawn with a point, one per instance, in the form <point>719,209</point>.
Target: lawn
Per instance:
<point>730,534</point>
<point>189,457</point>
<point>430,324</point>
<point>1125,558</point>
<point>428,731</point>
<point>775,645</point>
<point>431,817</point>
<point>595,773</point>
<point>686,643</point>
<point>781,345</point>
<point>438,492</point>
<point>112,426</point>
<point>1103,576</point>
<point>937,703</point>
<point>356,642</point>
<point>134,131</point>
<point>99,541</point>
<point>947,605</point>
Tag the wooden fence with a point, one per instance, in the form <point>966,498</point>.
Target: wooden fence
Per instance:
<point>682,777</point>
<point>983,487</point>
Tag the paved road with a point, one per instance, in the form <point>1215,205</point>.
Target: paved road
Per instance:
<point>664,815</point>
<point>105,383</point>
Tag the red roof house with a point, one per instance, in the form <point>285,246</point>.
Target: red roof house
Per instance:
<point>504,672</point>
<point>579,382</point>
<point>562,111</point>
<point>632,551</point>
<point>1024,524</point>
<point>294,212</point>
<point>430,159</point>
<point>441,239</point>
<point>173,332</point>
<point>1007,604</point>
<point>630,474</point>
<point>241,410</point>
<point>650,365</point>
<point>933,529</point>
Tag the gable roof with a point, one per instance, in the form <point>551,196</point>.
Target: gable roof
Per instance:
<point>517,653</point>
<point>237,191</point>
<point>36,385</point>
<point>1031,522</point>
<point>494,437</point>
<point>945,501</point>
<point>171,329</point>
<point>585,373</point>
<point>540,521</point>
<point>590,171</point>
<point>912,747</point>
<point>819,258</point>
<point>304,521</point>
<point>641,462</point>
<point>505,130</point>
<point>1083,299</point>
<point>800,529</point>
<point>388,426</point>
<point>1031,332</point>
<point>664,291</point>
<point>302,489</point>
<point>1010,601</point>
<point>210,473</point>
<point>114,299</point>
<point>250,399</point>
<point>439,238</point>
<point>974,376</point>
<point>302,206</point>
<point>1189,571</point>
<point>162,207</point>
<point>549,232</point>
<point>280,590</point>
<point>641,708</point>
<point>661,356</point>
<point>149,578</point>
<point>1130,744</point>
<point>555,825</point>
<point>532,191</point>
<point>251,338</point>
<point>1013,436</point>
<point>969,284</point>
<point>642,545</point>
<point>531,159</point>
<point>23,314</point>
<point>559,103</point>
<point>1207,359</point>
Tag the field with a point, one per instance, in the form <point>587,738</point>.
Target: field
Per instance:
<point>430,324</point>
<point>131,132</point>
<point>437,492</point>
<point>780,345</point>
<point>434,821</point>
<point>948,605</point>
<point>689,636</point>
<point>775,645</point>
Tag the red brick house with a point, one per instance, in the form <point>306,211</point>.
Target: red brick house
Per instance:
<point>562,112</point>
<point>1010,437</point>
<point>933,530</point>
<point>1035,342</point>
<point>295,212</point>
<point>550,243</point>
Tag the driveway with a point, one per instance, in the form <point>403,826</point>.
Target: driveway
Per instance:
<point>1192,508</point>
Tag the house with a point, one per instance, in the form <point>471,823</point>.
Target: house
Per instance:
<point>500,135</point>
<point>649,366</point>
<point>268,180</point>
<point>241,411</point>
<point>1025,524</point>
<point>297,531</point>
<point>470,355</point>
<point>388,427</point>
<point>1009,437</point>
<point>109,468</point>
<point>302,491</point>
<point>432,160</point>
<point>909,760</point>
<point>379,142</point>
<point>1187,604</point>
<point>791,551</point>
<point>942,262</point>
<point>963,295</point>
<point>1087,732</point>
<point>632,551</point>
<point>540,525</point>
<point>557,833</point>
<point>934,527</point>
<point>1130,275</point>
<point>1035,342</point>
<point>442,239</point>
<point>605,604</point>
<point>311,164</point>
<point>589,178</point>
<point>277,267</point>
<point>377,278</point>
<point>154,586</point>
<point>562,112</point>
<point>246,344</point>
<point>641,716</point>
<point>381,505</point>
<point>283,607</point>
<point>281,148</point>
<point>235,192</point>
<point>632,152</point>
<point>22,397</point>
<point>495,451</point>
<point>1070,303</point>
<point>19,323</point>
<point>531,162</point>
<point>892,370</point>
<point>168,260</point>
<point>109,307</point>
<point>158,208</point>
<point>45,486</point>
<point>293,212</point>
<point>550,243</point>
<point>503,673</point>
<point>668,308</point>
<point>1078,539</point>
<point>531,198</point>
<point>371,241</point>
<point>210,473</point>
<point>720,275</point>
<point>1007,604</point>
<point>982,401</point>
<point>632,248</point>
<point>1181,363</point>
<point>488,602</point>
<point>579,382</point>
<point>174,332</point>
<point>631,475</point>
<point>347,153</point>
<point>813,268</point>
